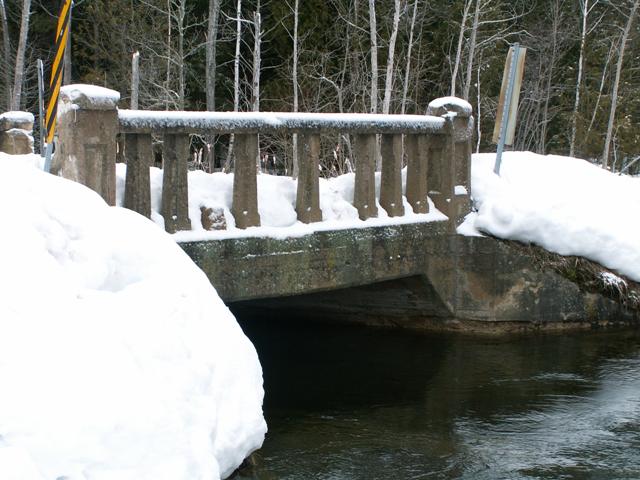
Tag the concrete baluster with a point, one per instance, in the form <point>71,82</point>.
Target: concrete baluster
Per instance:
<point>245,186</point>
<point>450,169</point>
<point>175,189</point>
<point>364,198</point>
<point>138,152</point>
<point>417,147</point>
<point>391,175</point>
<point>87,126</point>
<point>308,194</point>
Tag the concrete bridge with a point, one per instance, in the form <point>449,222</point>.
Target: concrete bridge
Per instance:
<point>419,275</point>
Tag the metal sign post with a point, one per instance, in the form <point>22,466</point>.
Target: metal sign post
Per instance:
<point>41,106</point>
<point>62,35</point>
<point>509,96</point>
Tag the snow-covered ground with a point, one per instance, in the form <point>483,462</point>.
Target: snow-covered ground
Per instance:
<point>118,361</point>
<point>276,205</point>
<point>565,205</point>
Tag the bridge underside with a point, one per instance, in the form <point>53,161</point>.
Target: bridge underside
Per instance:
<point>414,275</point>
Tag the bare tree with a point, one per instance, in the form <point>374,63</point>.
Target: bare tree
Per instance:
<point>405,87</point>
<point>373,33</point>
<point>472,50</point>
<point>210,74</point>
<point>585,9</point>
<point>616,82</point>
<point>386,103</point>
<point>236,78</point>
<point>257,45</point>
<point>296,10</point>
<point>20,56</point>
<point>456,64</point>
<point>6,48</point>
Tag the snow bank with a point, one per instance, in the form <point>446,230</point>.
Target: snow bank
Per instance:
<point>565,205</point>
<point>276,205</point>
<point>118,361</point>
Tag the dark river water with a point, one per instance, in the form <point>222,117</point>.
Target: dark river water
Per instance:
<point>355,403</point>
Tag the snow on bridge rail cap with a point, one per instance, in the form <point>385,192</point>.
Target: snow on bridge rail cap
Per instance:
<point>444,105</point>
<point>22,120</point>
<point>90,97</point>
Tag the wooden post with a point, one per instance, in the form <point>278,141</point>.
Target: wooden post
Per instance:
<point>391,176</point>
<point>139,155</point>
<point>364,198</point>
<point>245,183</point>
<point>175,189</point>
<point>308,195</point>
<point>417,186</point>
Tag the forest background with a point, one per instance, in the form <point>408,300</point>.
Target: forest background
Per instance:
<point>580,95</point>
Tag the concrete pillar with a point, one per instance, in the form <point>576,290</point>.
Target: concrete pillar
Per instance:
<point>450,170</point>
<point>175,189</point>
<point>417,147</point>
<point>245,182</point>
<point>308,195</point>
<point>87,126</point>
<point>364,197</point>
<point>138,153</point>
<point>391,175</point>
<point>16,133</point>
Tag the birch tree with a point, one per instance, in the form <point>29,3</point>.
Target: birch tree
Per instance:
<point>6,49</point>
<point>456,64</point>
<point>296,12</point>
<point>407,71</point>
<point>20,56</point>
<point>616,82</point>
<point>386,103</point>
<point>210,73</point>
<point>373,35</point>
<point>585,9</point>
<point>236,78</point>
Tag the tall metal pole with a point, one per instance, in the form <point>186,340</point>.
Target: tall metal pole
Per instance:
<point>507,106</point>
<point>41,107</point>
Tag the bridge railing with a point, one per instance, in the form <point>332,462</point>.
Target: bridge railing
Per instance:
<point>437,149</point>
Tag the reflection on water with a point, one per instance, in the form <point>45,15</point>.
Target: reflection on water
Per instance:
<point>350,403</point>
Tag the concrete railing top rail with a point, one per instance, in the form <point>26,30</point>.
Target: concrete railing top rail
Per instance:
<point>139,121</point>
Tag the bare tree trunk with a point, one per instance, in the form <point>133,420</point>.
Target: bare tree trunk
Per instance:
<point>236,79</point>
<point>212,37</point>
<point>373,32</point>
<point>555,27</point>
<point>257,42</point>
<point>584,7</point>
<point>255,85</point>
<point>456,65</point>
<point>296,11</point>
<point>20,54</point>
<point>135,80</point>
<point>472,51</point>
<point>386,103</point>
<point>478,110</point>
<point>168,78</point>
<point>616,83</point>
<point>405,87</point>
<point>603,78</point>
<point>181,76</point>
<point>6,48</point>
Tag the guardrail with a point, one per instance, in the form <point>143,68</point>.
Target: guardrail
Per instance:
<point>437,149</point>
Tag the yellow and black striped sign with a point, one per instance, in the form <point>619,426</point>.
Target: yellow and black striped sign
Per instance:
<point>62,34</point>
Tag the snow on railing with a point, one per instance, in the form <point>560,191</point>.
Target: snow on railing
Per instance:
<point>436,147</point>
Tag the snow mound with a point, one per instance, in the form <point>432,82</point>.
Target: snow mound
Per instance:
<point>118,361</point>
<point>565,205</point>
